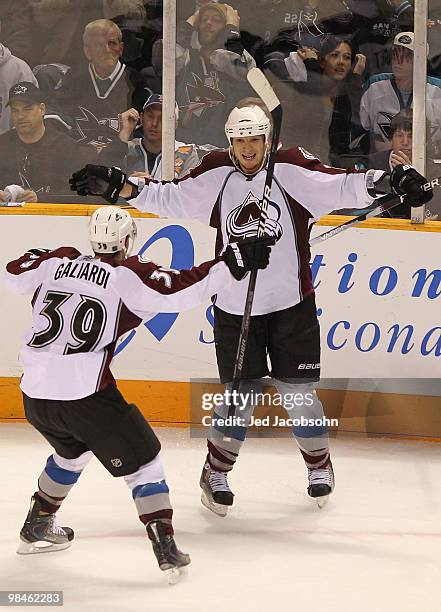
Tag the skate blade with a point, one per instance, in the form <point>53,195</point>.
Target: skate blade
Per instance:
<point>322,501</point>
<point>218,509</point>
<point>31,548</point>
<point>175,574</point>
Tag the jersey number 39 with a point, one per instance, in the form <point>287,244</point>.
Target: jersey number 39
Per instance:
<point>87,323</point>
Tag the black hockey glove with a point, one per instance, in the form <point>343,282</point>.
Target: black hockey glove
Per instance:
<point>98,181</point>
<point>407,182</point>
<point>249,254</point>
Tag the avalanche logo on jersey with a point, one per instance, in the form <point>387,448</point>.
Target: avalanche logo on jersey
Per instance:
<point>243,221</point>
<point>94,131</point>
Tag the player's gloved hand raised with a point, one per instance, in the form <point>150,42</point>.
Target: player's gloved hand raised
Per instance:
<point>406,181</point>
<point>249,254</point>
<point>98,181</point>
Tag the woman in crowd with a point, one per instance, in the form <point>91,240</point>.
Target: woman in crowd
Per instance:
<point>327,87</point>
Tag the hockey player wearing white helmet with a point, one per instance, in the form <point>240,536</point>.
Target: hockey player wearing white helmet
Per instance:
<point>82,304</point>
<point>224,191</point>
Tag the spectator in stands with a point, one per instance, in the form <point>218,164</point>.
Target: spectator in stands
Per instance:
<point>211,72</point>
<point>16,28</point>
<point>376,23</point>
<point>93,97</point>
<point>325,96</point>
<point>35,155</point>
<point>144,154</point>
<point>386,94</point>
<point>59,25</point>
<point>400,152</point>
<point>12,71</point>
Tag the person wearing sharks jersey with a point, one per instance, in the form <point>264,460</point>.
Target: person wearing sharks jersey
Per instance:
<point>81,305</point>
<point>385,95</point>
<point>224,191</point>
<point>93,96</point>
<point>211,69</point>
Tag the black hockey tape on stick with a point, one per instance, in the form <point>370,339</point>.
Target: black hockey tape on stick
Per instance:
<point>385,203</point>
<point>260,84</point>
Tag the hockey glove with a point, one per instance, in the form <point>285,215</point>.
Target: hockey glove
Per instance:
<point>407,182</point>
<point>250,254</point>
<point>98,181</point>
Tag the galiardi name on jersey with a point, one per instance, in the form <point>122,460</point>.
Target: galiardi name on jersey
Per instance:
<point>85,271</point>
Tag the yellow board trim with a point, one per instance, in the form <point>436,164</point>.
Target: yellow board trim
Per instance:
<point>80,210</point>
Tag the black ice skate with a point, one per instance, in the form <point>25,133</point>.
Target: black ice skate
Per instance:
<point>41,533</point>
<point>216,494</point>
<point>170,559</point>
<point>321,484</point>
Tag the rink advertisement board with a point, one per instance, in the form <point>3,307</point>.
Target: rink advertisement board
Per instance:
<point>378,297</point>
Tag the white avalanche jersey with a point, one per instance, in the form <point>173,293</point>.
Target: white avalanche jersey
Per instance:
<point>81,305</point>
<point>382,100</point>
<point>217,194</point>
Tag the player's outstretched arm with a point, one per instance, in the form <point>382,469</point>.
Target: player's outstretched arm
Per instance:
<point>154,289</point>
<point>108,182</point>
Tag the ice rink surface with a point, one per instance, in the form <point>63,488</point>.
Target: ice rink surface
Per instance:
<point>375,547</point>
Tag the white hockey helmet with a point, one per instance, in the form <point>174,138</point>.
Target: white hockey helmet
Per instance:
<point>247,121</point>
<point>109,227</point>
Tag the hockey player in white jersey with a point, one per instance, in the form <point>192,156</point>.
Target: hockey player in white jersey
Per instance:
<point>81,304</point>
<point>224,191</point>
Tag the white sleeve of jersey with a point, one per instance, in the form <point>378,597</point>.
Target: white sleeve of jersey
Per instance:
<point>192,197</point>
<point>29,278</point>
<point>322,192</point>
<point>168,290</point>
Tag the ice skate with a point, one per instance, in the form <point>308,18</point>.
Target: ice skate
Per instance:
<point>170,559</point>
<point>321,484</point>
<point>41,533</point>
<point>216,494</point>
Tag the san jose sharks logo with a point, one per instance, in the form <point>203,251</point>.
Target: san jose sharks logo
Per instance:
<point>243,221</point>
<point>202,94</point>
<point>95,131</point>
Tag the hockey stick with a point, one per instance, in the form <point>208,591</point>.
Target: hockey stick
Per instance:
<point>260,84</point>
<point>387,202</point>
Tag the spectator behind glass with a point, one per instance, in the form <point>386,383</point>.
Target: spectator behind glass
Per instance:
<point>386,94</point>
<point>211,77</point>
<point>400,152</point>
<point>144,155</point>
<point>12,71</point>
<point>35,155</point>
<point>305,22</point>
<point>324,97</point>
<point>16,28</point>
<point>376,23</point>
<point>59,26</point>
<point>93,96</point>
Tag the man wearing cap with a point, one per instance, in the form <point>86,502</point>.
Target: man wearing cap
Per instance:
<point>387,94</point>
<point>144,155</point>
<point>212,65</point>
<point>35,155</point>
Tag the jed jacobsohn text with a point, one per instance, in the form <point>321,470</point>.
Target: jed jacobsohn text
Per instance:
<point>267,421</point>
<point>243,400</point>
